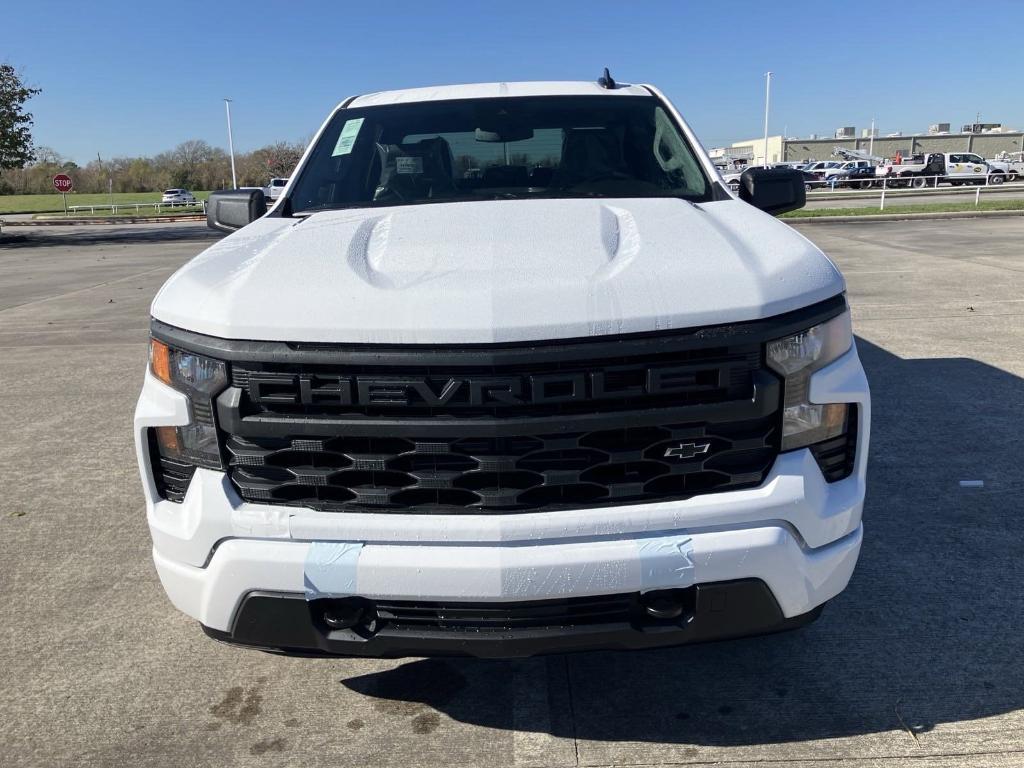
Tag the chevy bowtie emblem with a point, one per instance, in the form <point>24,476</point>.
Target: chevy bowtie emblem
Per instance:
<point>687,450</point>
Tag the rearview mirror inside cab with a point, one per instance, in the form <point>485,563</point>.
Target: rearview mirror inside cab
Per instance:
<point>773,190</point>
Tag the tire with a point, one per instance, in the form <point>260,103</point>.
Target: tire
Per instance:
<point>734,187</point>
<point>996,179</point>
<point>1011,177</point>
<point>864,184</point>
<point>919,182</point>
<point>807,186</point>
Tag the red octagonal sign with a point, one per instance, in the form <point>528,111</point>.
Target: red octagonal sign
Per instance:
<point>62,182</point>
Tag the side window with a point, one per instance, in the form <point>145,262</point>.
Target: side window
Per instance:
<point>672,154</point>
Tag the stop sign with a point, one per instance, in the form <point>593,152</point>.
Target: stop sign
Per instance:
<point>62,182</point>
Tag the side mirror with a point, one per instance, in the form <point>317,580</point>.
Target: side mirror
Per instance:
<point>231,209</point>
<point>773,190</point>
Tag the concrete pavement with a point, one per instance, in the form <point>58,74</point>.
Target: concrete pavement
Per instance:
<point>918,663</point>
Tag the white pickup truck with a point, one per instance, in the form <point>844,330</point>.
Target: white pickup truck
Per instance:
<point>275,188</point>
<point>954,168</point>
<point>1010,162</point>
<point>586,398</point>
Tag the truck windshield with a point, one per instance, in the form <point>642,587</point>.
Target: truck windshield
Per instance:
<point>501,148</point>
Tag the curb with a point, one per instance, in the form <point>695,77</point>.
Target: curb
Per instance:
<point>108,220</point>
<point>869,218</point>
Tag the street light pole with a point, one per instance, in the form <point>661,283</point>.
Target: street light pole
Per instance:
<point>871,139</point>
<point>767,101</point>
<point>231,145</point>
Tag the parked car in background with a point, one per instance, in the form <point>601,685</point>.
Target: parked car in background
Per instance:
<point>860,177</point>
<point>178,197</point>
<point>275,188</point>
<point>849,165</point>
<point>812,181</point>
<point>820,167</point>
<point>732,178</point>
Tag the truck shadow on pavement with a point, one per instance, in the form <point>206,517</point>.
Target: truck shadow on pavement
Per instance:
<point>928,632</point>
<point>97,234</point>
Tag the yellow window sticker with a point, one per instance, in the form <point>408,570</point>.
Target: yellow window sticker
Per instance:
<point>349,131</point>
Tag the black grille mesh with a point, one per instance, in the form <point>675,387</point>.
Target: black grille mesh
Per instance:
<point>300,431</point>
<point>503,473</point>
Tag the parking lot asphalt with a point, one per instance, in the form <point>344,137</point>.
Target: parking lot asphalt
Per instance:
<point>918,663</point>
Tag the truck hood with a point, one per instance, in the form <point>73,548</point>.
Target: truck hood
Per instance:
<point>497,271</point>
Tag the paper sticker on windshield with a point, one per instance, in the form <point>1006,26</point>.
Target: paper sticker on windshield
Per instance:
<point>348,137</point>
<point>409,165</point>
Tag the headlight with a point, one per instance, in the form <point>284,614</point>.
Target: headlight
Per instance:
<point>796,357</point>
<point>201,379</point>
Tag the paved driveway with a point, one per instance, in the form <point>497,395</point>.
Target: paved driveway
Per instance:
<point>918,663</point>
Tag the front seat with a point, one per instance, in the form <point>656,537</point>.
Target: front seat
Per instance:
<point>415,170</point>
<point>589,154</point>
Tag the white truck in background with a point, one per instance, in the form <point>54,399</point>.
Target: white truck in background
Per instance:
<point>275,188</point>
<point>1011,162</point>
<point>954,168</point>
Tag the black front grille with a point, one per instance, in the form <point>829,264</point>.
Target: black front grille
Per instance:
<point>504,617</point>
<point>501,427</point>
<point>523,472</point>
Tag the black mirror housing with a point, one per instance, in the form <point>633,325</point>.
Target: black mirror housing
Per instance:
<point>773,190</point>
<point>231,209</point>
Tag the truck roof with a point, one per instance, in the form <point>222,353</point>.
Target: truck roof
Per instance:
<point>496,90</point>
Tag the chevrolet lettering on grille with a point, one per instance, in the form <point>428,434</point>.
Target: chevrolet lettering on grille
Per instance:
<point>469,391</point>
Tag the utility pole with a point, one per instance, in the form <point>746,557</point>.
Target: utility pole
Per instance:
<point>110,181</point>
<point>767,101</point>
<point>871,138</point>
<point>231,144</point>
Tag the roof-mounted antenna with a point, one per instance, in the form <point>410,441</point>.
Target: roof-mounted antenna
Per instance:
<point>605,80</point>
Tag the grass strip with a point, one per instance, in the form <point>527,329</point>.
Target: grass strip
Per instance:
<point>985,205</point>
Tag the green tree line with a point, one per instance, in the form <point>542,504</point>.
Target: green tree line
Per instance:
<point>193,164</point>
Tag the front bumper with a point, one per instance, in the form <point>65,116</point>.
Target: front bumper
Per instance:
<point>795,535</point>
<point>288,623</point>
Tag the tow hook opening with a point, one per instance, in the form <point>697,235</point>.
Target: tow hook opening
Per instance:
<point>667,604</point>
<point>344,613</point>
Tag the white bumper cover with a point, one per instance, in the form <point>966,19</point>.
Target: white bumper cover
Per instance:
<point>797,533</point>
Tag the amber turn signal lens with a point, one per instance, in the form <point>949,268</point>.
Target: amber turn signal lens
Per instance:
<point>167,439</point>
<point>160,360</point>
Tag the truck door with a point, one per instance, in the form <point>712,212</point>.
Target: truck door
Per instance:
<point>976,167</point>
<point>956,168</point>
<point>935,166</point>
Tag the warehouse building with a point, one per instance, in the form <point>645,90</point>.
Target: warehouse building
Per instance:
<point>988,142</point>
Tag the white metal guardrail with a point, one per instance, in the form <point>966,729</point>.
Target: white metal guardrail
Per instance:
<point>115,207</point>
<point>908,186</point>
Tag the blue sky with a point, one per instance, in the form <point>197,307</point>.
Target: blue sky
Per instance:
<point>131,78</point>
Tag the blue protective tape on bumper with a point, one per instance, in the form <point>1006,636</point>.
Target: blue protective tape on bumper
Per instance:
<point>667,562</point>
<point>331,568</point>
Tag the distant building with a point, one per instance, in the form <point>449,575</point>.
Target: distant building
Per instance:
<point>935,128</point>
<point>989,142</point>
<point>981,127</point>
<point>867,133</point>
<point>846,133</point>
